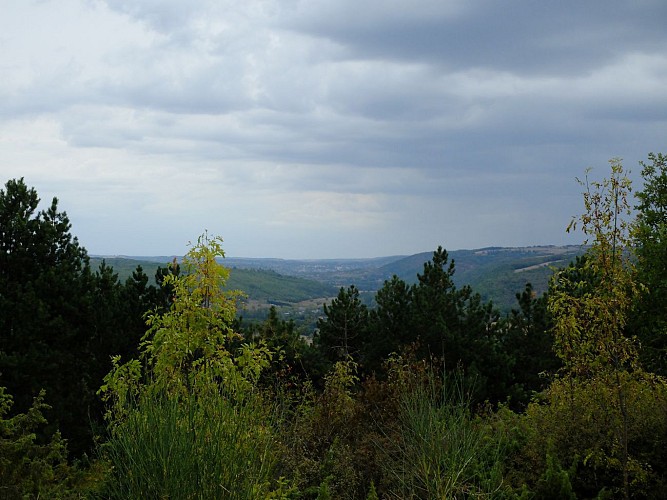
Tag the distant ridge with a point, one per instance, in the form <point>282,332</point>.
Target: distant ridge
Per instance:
<point>496,273</point>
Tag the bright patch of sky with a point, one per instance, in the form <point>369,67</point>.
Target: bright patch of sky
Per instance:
<point>335,128</point>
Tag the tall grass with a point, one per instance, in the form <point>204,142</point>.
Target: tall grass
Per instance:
<point>192,447</point>
<point>443,451</point>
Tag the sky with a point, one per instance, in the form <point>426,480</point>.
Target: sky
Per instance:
<point>326,128</point>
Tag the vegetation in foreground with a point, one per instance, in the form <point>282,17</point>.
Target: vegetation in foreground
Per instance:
<point>159,391</point>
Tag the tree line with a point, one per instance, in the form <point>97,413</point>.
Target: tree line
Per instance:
<point>133,389</point>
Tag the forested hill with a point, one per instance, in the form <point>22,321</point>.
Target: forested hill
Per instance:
<point>496,273</point>
<point>263,285</point>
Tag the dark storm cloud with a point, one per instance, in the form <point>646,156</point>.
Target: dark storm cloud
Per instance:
<point>398,125</point>
<point>527,37</point>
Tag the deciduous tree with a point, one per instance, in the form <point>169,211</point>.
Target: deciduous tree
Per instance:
<point>590,310</point>
<point>193,390</point>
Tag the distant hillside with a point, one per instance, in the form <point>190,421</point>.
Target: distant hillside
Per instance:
<point>496,273</point>
<point>125,266</point>
<point>259,284</point>
<point>336,272</point>
<point>274,288</point>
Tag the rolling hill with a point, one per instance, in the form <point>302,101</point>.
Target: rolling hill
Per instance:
<point>263,285</point>
<point>496,273</point>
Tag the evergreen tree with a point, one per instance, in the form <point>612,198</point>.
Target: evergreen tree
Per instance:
<point>529,345</point>
<point>649,319</point>
<point>390,324</point>
<point>455,325</point>
<point>59,321</point>
<point>438,308</point>
<point>45,312</point>
<point>342,332</point>
<point>293,357</point>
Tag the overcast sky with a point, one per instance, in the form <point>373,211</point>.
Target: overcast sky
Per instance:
<point>333,128</point>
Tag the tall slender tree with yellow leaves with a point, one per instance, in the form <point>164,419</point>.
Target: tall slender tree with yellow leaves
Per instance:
<point>601,377</point>
<point>186,419</point>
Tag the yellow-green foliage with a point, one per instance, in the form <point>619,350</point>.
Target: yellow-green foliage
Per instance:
<point>187,420</point>
<point>193,447</point>
<point>192,344</point>
<point>590,309</point>
<point>599,418</point>
<point>579,424</point>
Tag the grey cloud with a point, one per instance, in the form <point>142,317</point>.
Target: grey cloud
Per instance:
<point>164,17</point>
<point>520,36</point>
<point>384,112</point>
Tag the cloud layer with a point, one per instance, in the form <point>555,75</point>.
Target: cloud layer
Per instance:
<point>325,129</point>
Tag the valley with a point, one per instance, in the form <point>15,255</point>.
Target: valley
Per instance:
<point>299,288</point>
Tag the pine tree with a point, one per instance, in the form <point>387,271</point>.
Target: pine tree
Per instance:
<point>342,332</point>
<point>45,313</point>
<point>649,319</point>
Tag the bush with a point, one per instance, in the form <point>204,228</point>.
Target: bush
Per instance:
<point>576,431</point>
<point>192,447</point>
<point>443,450</point>
<point>318,437</point>
<point>29,469</point>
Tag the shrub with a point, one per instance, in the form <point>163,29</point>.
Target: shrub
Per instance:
<point>577,427</point>
<point>29,469</point>
<point>193,447</point>
<point>443,450</point>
